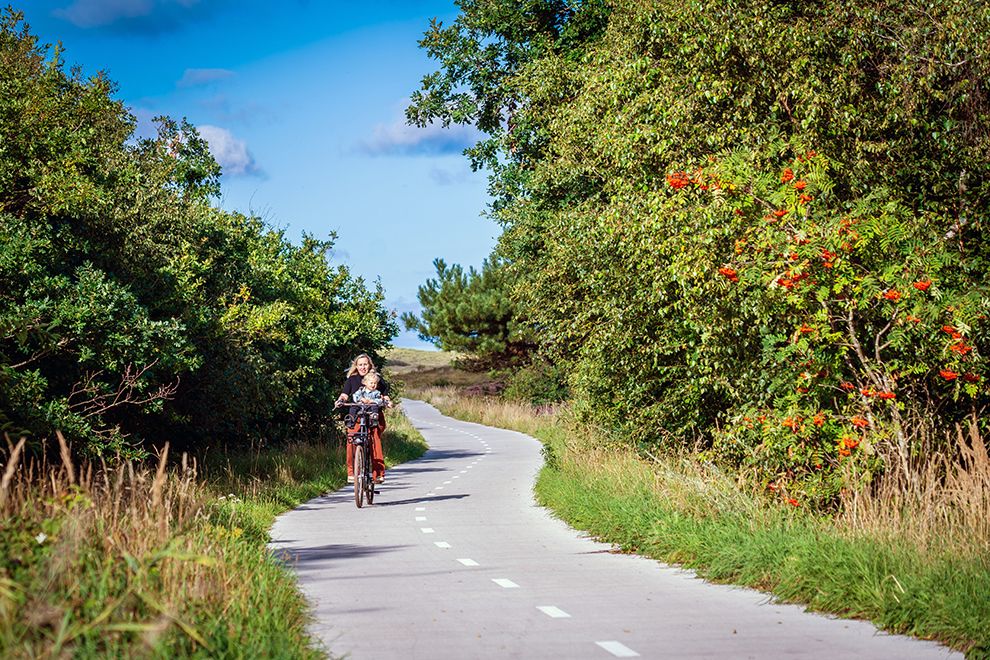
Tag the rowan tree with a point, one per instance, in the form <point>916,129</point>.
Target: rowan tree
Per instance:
<point>642,218</point>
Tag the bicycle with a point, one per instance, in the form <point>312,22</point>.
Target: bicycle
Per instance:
<point>364,417</point>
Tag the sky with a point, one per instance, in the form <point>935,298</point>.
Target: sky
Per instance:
<point>303,104</point>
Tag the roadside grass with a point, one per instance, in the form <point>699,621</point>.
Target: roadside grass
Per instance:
<point>163,560</point>
<point>919,567</point>
<point>401,442</point>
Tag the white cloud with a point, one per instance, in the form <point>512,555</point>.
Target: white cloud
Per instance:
<point>196,77</point>
<point>98,13</point>
<point>230,152</point>
<point>400,138</point>
<point>94,13</point>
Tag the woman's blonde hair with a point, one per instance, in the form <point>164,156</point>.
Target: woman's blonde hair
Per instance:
<point>353,368</point>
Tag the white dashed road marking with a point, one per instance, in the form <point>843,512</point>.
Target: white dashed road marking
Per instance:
<point>618,649</point>
<point>420,518</point>
<point>426,530</point>
<point>469,562</point>
<point>508,584</point>
<point>554,612</point>
<point>441,544</point>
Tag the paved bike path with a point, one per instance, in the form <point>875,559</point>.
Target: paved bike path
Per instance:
<point>455,561</point>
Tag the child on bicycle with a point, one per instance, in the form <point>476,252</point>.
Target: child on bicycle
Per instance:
<point>369,393</point>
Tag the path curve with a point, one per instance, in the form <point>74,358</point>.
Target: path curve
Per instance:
<point>455,561</point>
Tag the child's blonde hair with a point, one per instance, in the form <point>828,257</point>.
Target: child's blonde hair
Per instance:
<point>370,379</point>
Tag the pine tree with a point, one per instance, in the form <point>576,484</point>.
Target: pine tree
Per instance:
<point>473,312</point>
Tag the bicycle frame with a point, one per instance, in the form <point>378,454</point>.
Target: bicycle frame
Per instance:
<point>363,417</point>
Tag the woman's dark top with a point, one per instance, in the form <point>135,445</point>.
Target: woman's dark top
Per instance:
<point>353,384</point>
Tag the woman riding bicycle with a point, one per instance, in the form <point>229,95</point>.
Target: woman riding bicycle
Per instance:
<point>361,367</point>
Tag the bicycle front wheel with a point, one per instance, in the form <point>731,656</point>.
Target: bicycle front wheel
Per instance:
<point>358,475</point>
<point>369,484</point>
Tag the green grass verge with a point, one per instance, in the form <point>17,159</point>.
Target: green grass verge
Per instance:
<point>402,442</point>
<point>794,555</point>
<point>686,513</point>
<point>134,564</point>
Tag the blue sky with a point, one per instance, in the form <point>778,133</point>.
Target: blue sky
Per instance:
<point>302,103</point>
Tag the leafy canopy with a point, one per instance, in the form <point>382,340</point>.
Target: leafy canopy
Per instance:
<point>753,220</point>
<point>131,310</point>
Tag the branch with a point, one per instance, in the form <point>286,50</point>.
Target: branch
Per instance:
<point>749,191</point>
<point>857,347</point>
<point>95,402</point>
<point>41,354</point>
<point>876,342</point>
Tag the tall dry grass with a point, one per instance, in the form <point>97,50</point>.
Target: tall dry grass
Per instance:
<point>165,559</point>
<point>948,508</point>
<point>490,410</point>
<point>122,515</point>
<point>127,560</point>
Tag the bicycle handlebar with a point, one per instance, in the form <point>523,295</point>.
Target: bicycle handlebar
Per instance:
<point>340,404</point>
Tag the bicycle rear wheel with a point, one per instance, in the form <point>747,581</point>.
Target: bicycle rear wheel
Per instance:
<point>359,476</point>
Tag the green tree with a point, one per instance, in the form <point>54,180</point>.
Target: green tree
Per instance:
<point>646,227</point>
<point>131,310</point>
<point>479,55</point>
<point>488,44</point>
<point>474,313</point>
